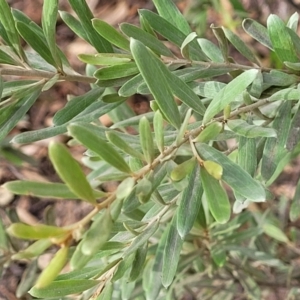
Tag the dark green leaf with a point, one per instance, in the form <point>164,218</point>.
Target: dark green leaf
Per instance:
<point>117,71</point>
<point>247,158</point>
<point>171,254</point>
<point>85,16</point>
<point>88,138</point>
<point>146,38</point>
<point>146,139</point>
<point>104,59</point>
<point>216,196</point>
<point>138,262</point>
<point>286,94</point>
<point>130,87</point>
<point>63,287</point>
<point>281,40</point>
<point>223,43</point>
<point>110,34</point>
<point>190,203</point>
<point>70,172</point>
<point>153,72</point>
<point>238,179</point>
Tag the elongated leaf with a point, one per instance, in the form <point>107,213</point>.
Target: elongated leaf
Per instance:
<point>240,45</point>
<point>42,189</point>
<point>8,23</point>
<point>275,232</point>
<point>105,58</point>
<point>158,127</point>
<point>88,138</point>
<point>117,71</point>
<point>286,94</point>
<point>141,239</point>
<point>17,112</point>
<point>238,179</point>
<point>223,43</point>
<point>209,132</point>
<point>53,269</point>
<point>5,58</point>
<point>229,93</point>
<point>97,234</point>
<point>213,169</point>
<point>138,262</point>
<point>168,10</point>
<point>146,38</point>
<point>247,155</point>
<point>110,34</point>
<point>172,33</point>
<point>63,288</point>
<point>85,16</point>
<point>295,206</point>
<point>247,130</point>
<point>274,149</point>
<point>36,232</point>
<point>36,42</point>
<point>216,196</point>
<point>211,50</point>
<point>146,139</point>
<point>258,32</point>
<point>183,169</point>
<point>130,87</point>
<point>154,76</point>
<point>190,203</point>
<point>281,40</point>
<point>171,253</point>
<point>70,172</point>
<point>74,25</point>
<point>49,16</point>
<point>35,249</point>
<point>123,145</point>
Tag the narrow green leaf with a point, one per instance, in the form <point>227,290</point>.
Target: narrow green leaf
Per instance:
<point>169,11</point>
<point>281,40</point>
<point>153,72</point>
<point>8,23</point>
<point>171,253</point>
<point>113,98</point>
<point>138,262</point>
<point>211,50</point>
<point>247,130</point>
<point>70,172</point>
<point>229,93</point>
<point>130,87</point>
<point>216,196</point>
<point>213,169</point>
<point>258,32</point>
<point>35,41</point>
<point>275,232</point>
<point>115,139</point>
<point>240,45</point>
<point>5,58</point>
<point>53,269</point>
<point>17,112</point>
<point>294,213</point>
<point>93,142</point>
<point>74,24</point>
<point>185,45</point>
<point>286,94</point>
<point>63,287</point>
<point>190,203</point>
<point>97,234</point>
<point>85,16</point>
<point>158,126</point>
<point>275,148</point>
<point>78,259</point>
<point>247,155</point>
<point>238,179</point>
<point>278,78</point>
<point>49,16</point>
<point>117,71</point>
<point>36,232</point>
<point>183,127</point>
<point>146,38</point>
<point>110,34</point>
<point>35,249</point>
<point>104,59</point>
<point>43,189</point>
<point>141,239</point>
<point>172,33</point>
<point>223,43</point>
<point>294,133</point>
<point>146,139</point>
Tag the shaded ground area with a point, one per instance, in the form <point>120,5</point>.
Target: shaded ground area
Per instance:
<point>32,210</point>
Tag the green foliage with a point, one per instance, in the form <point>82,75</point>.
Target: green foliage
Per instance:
<point>177,225</point>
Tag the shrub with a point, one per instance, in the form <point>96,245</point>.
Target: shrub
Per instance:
<point>181,222</point>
